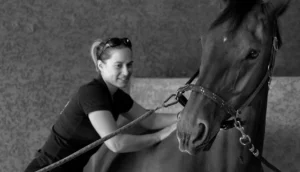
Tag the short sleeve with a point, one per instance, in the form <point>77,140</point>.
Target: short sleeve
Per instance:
<point>93,98</point>
<point>122,101</point>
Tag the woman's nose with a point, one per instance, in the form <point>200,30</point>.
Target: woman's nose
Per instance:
<point>125,71</point>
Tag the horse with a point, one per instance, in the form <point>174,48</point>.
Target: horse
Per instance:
<point>221,127</point>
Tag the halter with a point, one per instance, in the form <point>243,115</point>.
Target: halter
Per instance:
<point>245,139</point>
<point>228,108</point>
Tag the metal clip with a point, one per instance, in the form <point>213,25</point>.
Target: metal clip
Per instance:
<point>181,90</point>
<point>170,104</point>
<point>245,140</point>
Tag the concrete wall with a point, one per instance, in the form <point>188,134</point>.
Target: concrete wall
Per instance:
<point>44,57</point>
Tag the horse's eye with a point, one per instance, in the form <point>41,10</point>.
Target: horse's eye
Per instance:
<point>253,54</point>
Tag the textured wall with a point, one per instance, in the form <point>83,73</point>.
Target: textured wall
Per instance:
<point>44,55</point>
<point>282,137</point>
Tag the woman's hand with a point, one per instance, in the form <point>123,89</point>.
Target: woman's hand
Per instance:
<point>164,133</point>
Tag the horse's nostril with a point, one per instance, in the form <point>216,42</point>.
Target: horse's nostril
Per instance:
<point>200,133</point>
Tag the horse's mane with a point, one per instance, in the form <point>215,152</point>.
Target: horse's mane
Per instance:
<point>237,10</point>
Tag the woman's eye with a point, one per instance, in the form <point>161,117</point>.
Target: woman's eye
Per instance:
<point>253,54</point>
<point>119,66</point>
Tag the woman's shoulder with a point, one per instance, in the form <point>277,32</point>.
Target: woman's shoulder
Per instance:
<point>94,96</point>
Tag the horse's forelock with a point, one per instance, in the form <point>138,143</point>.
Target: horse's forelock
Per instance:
<point>235,12</point>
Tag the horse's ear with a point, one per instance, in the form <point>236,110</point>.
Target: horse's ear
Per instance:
<point>279,6</point>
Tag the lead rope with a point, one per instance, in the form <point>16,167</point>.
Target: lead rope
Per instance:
<point>245,140</point>
<point>100,141</point>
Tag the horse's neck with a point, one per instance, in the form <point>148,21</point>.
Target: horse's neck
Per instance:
<point>255,117</point>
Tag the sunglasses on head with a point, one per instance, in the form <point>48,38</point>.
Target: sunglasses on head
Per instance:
<point>115,42</point>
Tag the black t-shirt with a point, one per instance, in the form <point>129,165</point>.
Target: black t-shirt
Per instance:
<point>73,129</point>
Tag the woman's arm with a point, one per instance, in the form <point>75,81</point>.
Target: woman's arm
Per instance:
<point>104,124</point>
<point>135,130</point>
<point>154,121</point>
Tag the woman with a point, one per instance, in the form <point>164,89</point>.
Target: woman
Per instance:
<point>92,112</point>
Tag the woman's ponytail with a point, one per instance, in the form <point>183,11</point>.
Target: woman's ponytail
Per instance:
<point>94,52</point>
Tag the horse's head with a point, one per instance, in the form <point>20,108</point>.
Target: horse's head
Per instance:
<point>237,54</point>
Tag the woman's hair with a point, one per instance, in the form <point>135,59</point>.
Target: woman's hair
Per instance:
<point>94,52</point>
<point>97,52</point>
<point>98,49</point>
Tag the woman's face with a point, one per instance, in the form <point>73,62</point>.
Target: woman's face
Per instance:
<point>118,68</point>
